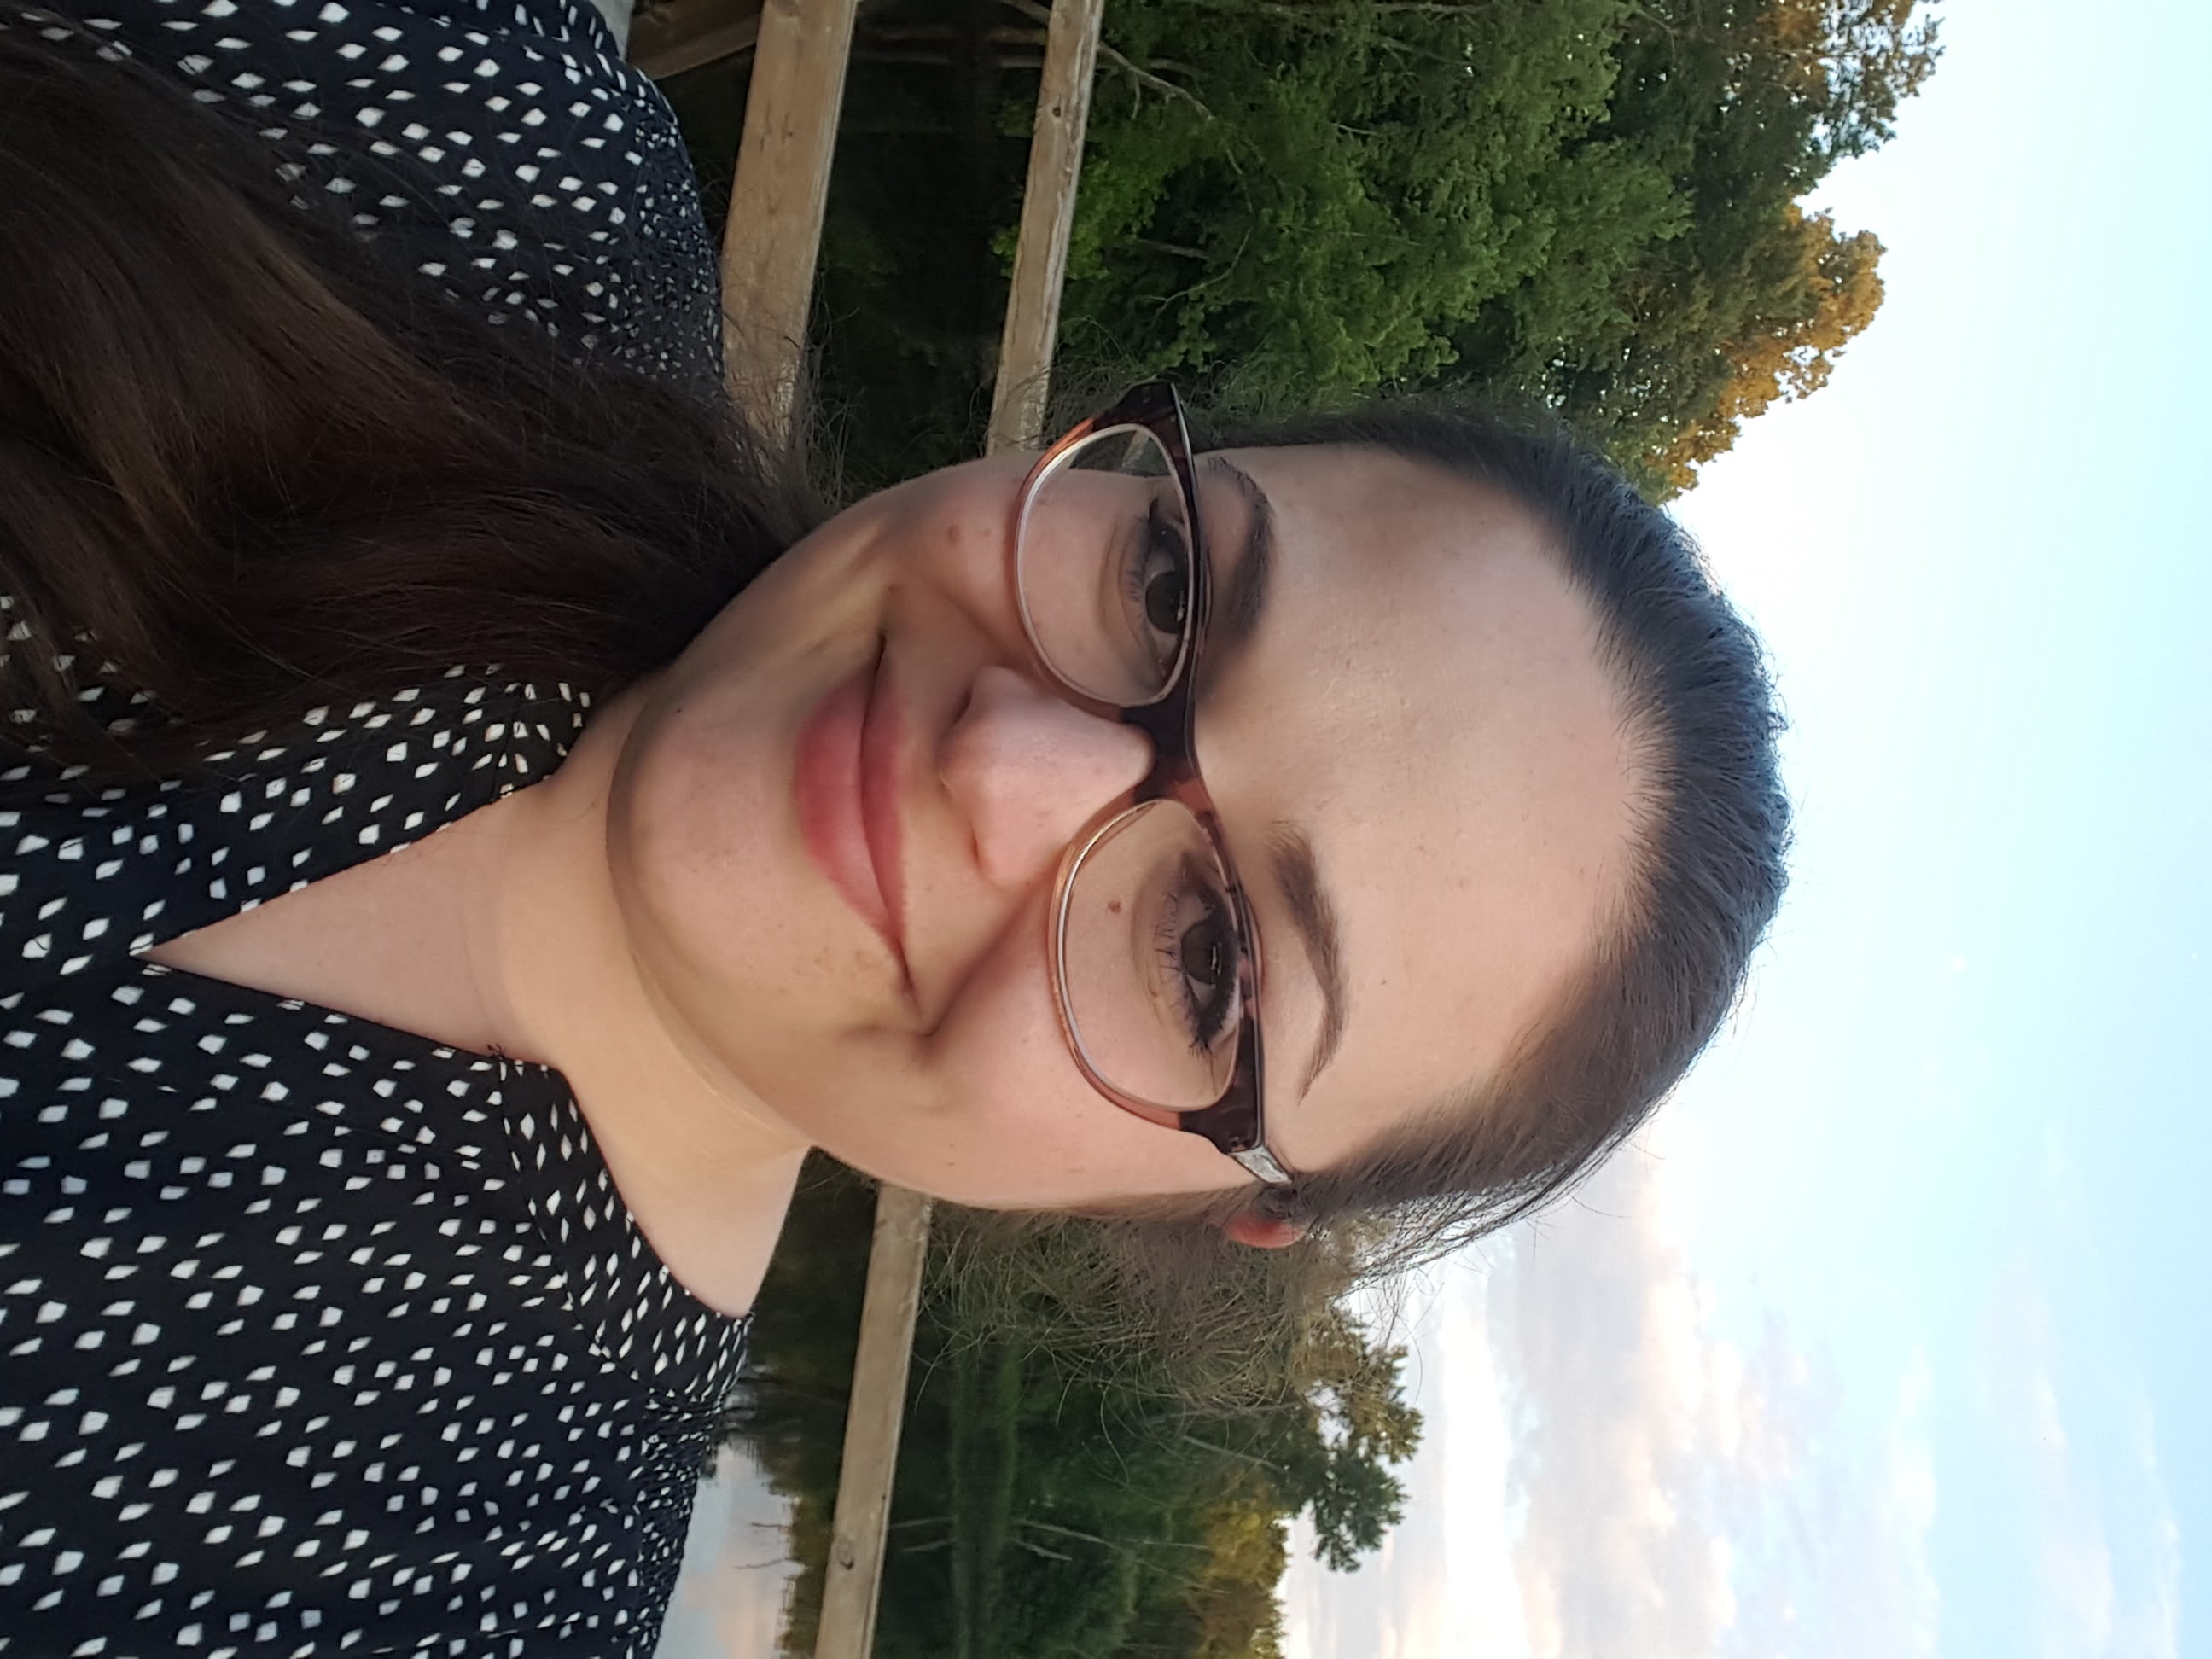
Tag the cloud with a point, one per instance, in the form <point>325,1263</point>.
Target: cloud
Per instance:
<point>1685,1495</point>
<point>1605,1477</point>
<point>2150,1625</point>
<point>1443,1583</point>
<point>2104,1548</point>
<point>729,1599</point>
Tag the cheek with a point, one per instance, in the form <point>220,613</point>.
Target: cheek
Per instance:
<point>1015,1123</point>
<point>957,545</point>
<point>1019,1125</point>
<point>692,829</point>
<point>717,906</point>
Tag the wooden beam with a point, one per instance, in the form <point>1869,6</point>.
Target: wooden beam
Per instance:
<point>682,34</point>
<point>872,1419</point>
<point>776,200</point>
<point>1032,328</point>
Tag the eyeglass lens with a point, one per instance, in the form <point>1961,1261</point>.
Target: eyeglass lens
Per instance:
<point>1104,566</point>
<point>1148,953</point>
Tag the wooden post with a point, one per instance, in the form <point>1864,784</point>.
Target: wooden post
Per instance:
<point>877,1405</point>
<point>776,200</point>
<point>1026,347</point>
<point>872,1421</point>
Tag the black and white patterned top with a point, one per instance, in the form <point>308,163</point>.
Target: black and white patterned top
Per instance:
<point>317,1336</point>
<point>500,150</point>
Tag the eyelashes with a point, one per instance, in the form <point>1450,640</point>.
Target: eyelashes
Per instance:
<point>1197,955</point>
<point>1156,585</point>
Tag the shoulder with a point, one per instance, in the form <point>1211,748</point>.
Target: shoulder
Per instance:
<point>309,1261</point>
<point>501,153</point>
<point>90,873</point>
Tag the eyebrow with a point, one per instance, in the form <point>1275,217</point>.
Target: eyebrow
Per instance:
<point>1291,856</point>
<point>1241,600</point>
<point>1242,594</point>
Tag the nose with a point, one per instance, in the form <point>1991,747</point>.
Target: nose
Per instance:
<point>1030,770</point>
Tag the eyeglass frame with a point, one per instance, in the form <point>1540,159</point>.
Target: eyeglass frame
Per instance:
<point>1235,1124</point>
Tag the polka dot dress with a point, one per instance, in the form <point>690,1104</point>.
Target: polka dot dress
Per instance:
<point>317,1337</point>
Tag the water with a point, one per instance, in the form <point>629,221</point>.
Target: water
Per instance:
<point>729,1599</point>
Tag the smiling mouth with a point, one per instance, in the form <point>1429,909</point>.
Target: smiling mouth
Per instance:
<point>845,784</point>
<point>880,794</point>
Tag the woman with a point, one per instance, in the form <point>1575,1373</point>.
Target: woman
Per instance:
<point>383,1208</point>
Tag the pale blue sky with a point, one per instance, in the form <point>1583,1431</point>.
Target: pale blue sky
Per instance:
<point>1970,1109</point>
<point>1932,1218</point>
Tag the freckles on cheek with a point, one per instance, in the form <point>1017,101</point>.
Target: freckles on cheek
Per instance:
<point>997,1067</point>
<point>1007,1091</point>
<point>975,538</point>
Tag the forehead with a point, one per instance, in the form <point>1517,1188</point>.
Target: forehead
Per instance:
<point>1423,700</point>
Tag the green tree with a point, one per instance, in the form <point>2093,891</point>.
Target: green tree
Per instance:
<point>1047,1514</point>
<point>1828,289</point>
<point>1747,104</point>
<point>1585,203</point>
<point>1053,1506</point>
<point>1348,1425</point>
<point>1345,182</point>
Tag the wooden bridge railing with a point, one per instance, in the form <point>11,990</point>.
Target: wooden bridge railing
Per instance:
<point>777,197</point>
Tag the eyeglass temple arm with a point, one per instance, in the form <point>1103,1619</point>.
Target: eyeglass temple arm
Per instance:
<point>1261,1162</point>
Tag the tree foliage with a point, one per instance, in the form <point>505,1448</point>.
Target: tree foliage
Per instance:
<point>1588,203</point>
<point>1044,1512</point>
<point>1592,205</point>
<point>1046,1506</point>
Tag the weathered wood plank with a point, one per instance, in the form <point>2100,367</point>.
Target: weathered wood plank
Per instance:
<point>872,1421</point>
<point>1032,327</point>
<point>776,200</point>
<point>682,34</point>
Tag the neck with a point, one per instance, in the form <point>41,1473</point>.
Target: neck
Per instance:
<point>501,933</point>
<point>705,1167</point>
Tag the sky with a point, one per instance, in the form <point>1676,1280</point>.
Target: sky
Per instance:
<point>738,1569</point>
<point>1889,1337</point>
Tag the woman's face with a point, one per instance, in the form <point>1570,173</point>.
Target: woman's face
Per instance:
<point>838,820</point>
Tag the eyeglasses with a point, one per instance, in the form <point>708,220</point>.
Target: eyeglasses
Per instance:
<point>1156,958</point>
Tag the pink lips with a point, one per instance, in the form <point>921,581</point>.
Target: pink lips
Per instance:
<point>846,784</point>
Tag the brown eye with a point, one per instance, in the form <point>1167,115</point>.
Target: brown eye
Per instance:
<point>1197,944</point>
<point>1161,580</point>
<point>1167,599</point>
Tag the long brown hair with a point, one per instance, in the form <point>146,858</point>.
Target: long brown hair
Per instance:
<point>253,468</point>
